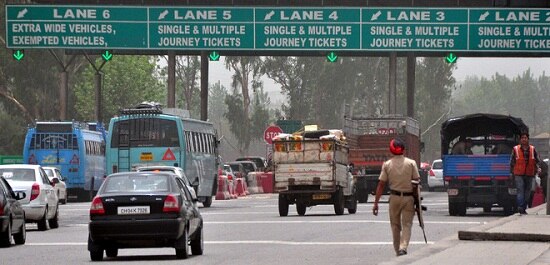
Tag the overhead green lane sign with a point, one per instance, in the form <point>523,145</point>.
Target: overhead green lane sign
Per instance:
<point>308,28</point>
<point>510,30</point>
<point>278,28</point>
<point>201,28</point>
<point>76,27</point>
<point>415,29</point>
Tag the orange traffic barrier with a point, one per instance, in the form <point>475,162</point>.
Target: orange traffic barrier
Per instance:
<point>267,182</point>
<point>223,189</point>
<point>240,189</point>
<point>232,189</point>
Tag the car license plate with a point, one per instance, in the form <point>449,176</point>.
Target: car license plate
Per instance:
<point>322,196</point>
<point>452,192</point>
<point>129,210</point>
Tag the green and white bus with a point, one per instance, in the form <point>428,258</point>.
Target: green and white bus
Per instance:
<point>147,135</point>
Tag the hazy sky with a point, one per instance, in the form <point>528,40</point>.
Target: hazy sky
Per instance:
<point>485,67</point>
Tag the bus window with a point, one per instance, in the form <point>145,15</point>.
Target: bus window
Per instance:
<point>147,132</point>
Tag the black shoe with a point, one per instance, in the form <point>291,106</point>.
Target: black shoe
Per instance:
<point>401,252</point>
<point>521,211</point>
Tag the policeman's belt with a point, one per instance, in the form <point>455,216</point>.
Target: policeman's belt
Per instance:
<point>399,193</point>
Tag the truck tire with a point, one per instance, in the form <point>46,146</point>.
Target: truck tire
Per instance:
<point>453,209</point>
<point>301,208</point>
<point>283,205</point>
<point>352,209</point>
<point>461,210</point>
<point>339,202</point>
<point>362,196</point>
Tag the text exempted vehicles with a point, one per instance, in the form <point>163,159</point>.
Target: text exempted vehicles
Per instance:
<point>74,148</point>
<point>147,135</point>
<point>40,203</point>
<point>481,179</point>
<point>312,169</point>
<point>144,210</point>
<point>12,216</point>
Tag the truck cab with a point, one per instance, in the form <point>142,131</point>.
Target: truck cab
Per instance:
<point>480,179</point>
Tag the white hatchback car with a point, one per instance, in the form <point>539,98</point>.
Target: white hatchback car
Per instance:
<point>40,204</point>
<point>435,175</point>
<point>54,174</point>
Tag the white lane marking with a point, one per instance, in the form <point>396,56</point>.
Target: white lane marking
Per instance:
<point>265,242</point>
<point>319,222</point>
<point>278,242</point>
<point>334,222</point>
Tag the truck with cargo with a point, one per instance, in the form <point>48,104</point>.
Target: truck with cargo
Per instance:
<point>368,139</point>
<point>480,179</point>
<point>312,169</point>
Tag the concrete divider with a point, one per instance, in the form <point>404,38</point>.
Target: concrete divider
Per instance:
<point>223,189</point>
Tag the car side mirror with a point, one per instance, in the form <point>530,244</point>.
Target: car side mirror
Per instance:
<point>19,195</point>
<point>55,180</point>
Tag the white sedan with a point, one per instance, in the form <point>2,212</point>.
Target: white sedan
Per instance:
<point>435,175</point>
<point>59,183</point>
<point>40,203</point>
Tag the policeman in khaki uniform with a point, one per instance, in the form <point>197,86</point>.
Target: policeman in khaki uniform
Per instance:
<point>398,172</point>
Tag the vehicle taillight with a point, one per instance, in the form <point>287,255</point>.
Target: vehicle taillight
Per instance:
<point>97,206</point>
<point>432,173</point>
<point>35,191</point>
<point>171,204</point>
<point>1,209</point>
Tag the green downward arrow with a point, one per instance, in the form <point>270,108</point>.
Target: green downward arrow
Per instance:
<point>18,55</point>
<point>214,56</point>
<point>451,58</point>
<point>331,57</point>
<point>107,56</point>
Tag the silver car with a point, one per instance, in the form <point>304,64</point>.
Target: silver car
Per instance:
<point>435,175</point>
<point>59,183</point>
<point>40,204</point>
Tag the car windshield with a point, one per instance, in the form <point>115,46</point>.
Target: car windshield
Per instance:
<point>20,174</point>
<point>136,183</point>
<point>49,172</point>
<point>248,167</point>
<point>235,167</point>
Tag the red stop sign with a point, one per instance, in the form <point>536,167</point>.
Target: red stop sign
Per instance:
<point>271,132</point>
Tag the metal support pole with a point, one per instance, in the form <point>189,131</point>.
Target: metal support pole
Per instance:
<point>97,83</point>
<point>411,70</point>
<point>171,100</point>
<point>204,85</point>
<point>63,94</point>
<point>392,84</point>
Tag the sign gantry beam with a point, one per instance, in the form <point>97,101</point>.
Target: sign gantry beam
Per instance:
<point>275,29</point>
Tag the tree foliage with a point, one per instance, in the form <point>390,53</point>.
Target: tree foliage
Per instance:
<point>126,81</point>
<point>187,83</point>
<point>523,96</point>
<point>245,111</point>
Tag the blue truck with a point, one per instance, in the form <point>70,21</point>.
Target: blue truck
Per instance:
<point>481,179</point>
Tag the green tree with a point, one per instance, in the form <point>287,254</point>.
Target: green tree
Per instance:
<point>246,79</point>
<point>126,81</point>
<point>187,77</point>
